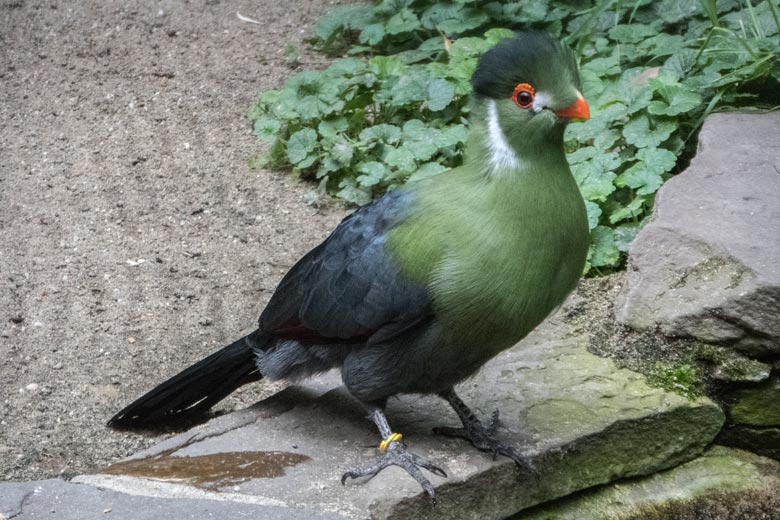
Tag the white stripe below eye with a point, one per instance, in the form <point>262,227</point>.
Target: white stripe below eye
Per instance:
<point>502,157</point>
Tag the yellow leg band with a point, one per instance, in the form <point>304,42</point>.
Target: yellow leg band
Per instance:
<point>394,437</point>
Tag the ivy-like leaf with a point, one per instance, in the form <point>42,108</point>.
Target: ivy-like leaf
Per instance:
<point>632,33</point>
<point>426,170</point>
<point>630,210</point>
<point>594,214</point>
<point>625,234</point>
<point>330,128</point>
<point>266,128</point>
<point>389,134</point>
<point>401,158</point>
<point>677,100</point>
<point>638,132</point>
<point>373,173</point>
<point>342,152</point>
<point>641,177</point>
<point>604,251</point>
<point>350,192</point>
<point>372,34</point>
<point>403,21</point>
<point>300,144</point>
<point>595,182</point>
<point>438,94</point>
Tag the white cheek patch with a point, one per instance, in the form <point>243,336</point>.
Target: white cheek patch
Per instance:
<point>541,100</point>
<point>502,156</point>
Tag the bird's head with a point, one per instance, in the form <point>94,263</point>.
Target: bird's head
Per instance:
<point>527,88</point>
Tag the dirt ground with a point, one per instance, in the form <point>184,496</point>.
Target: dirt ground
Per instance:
<point>134,239</point>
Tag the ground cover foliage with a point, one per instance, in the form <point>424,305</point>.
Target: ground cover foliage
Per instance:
<point>394,107</point>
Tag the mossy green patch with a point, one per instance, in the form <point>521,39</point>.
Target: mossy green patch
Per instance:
<point>720,476</point>
<point>758,406</point>
<point>680,378</point>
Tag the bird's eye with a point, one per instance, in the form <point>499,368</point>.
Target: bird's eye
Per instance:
<point>523,96</point>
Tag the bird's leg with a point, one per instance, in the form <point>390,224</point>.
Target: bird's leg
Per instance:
<point>473,430</point>
<point>396,454</point>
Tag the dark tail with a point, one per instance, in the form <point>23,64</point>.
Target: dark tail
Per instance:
<point>195,389</point>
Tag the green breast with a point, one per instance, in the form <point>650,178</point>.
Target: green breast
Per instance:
<point>497,254</point>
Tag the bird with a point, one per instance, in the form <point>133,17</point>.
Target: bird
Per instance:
<point>412,293</point>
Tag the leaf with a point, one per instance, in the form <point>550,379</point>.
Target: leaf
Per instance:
<point>604,251</point>
<point>341,17</point>
<point>342,152</point>
<point>625,234</point>
<point>330,128</point>
<point>266,128</point>
<point>632,33</point>
<point>630,210</point>
<point>327,165</point>
<point>373,173</point>
<point>594,214</point>
<point>677,100</point>
<point>372,34</point>
<point>657,159</point>
<point>350,192</point>
<point>638,132</point>
<point>640,177</point>
<point>426,170</point>
<point>344,67</point>
<point>439,93</point>
<point>300,144</point>
<point>400,158</point>
<point>402,22</point>
<point>389,134</point>
<point>645,175</point>
<point>387,66</point>
<point>468,20</point>
<point>451,135</point>
<point>595,183</point>
<point>672,11</point>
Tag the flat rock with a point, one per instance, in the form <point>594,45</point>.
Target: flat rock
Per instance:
<point>706,264</point>
<point>581,421</point>
<point>720,474</point>
<point>68,501</point>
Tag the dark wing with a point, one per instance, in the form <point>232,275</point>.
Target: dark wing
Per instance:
<point>348,288</point>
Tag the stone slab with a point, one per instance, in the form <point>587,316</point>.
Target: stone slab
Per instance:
<point>582,422</point>
<point>61,500</point>
<point>706,264</point>
<point>719,474</point>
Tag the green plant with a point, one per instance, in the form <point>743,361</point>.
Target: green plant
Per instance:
<point>651,72</point>
<point>681,378</point>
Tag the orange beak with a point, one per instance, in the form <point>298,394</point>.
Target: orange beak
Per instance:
<point>579,110</point>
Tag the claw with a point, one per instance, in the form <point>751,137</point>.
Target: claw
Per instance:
<point>398,455</point>
<point>480,436</point>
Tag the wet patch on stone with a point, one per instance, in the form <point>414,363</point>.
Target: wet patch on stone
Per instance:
<point>210,471</point>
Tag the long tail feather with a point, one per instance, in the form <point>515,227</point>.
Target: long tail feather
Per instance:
<point>195,389</point>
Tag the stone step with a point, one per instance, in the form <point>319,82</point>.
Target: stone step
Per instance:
<point>582,422</point>
<point>724,482</point>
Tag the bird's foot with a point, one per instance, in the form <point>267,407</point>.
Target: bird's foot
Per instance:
<point>398,455</point>
<point>482,438</point>
<point>479,435</point>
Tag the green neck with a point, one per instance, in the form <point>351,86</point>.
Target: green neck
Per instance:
<point>493,150</point>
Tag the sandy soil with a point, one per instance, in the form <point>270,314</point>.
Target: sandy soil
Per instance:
<point>135,239</point>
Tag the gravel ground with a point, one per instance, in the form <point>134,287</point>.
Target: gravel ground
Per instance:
<point>135,239</point>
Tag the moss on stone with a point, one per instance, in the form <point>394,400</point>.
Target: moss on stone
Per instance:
<point>758,406</point>
<point>721,480</point>
<point>728,366</point>
<point>680,378</point>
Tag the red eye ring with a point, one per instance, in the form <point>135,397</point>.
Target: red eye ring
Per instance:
<point>523,95</point>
